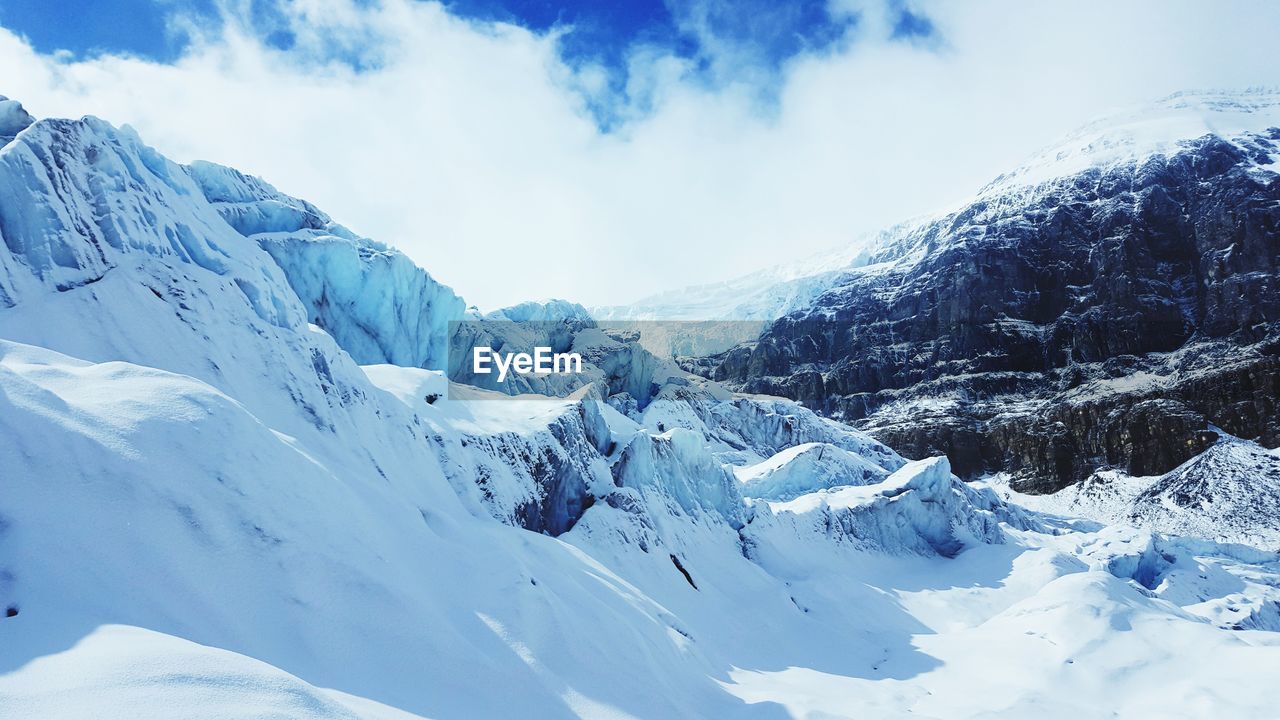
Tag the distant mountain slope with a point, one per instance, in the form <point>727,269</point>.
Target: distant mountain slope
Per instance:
<point>763,295</point>
<point>709,319</point>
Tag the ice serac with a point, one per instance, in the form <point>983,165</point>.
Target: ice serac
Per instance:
<point>534,464</point>
<point>555,310</point>
<point>678,466</point>
<point>378,305</point>
<point>554,324</point>
<point>920,508</point>
<point>804,468</point>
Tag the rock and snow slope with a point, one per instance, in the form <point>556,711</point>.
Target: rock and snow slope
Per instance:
<point>1229,493</point>
<point>209,509</point>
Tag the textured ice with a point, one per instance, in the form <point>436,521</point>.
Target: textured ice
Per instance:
<point>119,203</point>
<point>804,468</point>
<point>543,312</point>
<point>920,508</point>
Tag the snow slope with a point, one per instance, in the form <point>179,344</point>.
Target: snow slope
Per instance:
<point>209,509</point>
<point>125,673</point>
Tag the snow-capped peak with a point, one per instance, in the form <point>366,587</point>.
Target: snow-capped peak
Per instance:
<point>1149,129</point>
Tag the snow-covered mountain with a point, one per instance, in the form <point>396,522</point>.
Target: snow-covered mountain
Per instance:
<point>233,482</point>
<point>1111,305</point>
<point>1154,129</point>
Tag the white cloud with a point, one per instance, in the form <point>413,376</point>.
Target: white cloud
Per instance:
<point>468,148</point>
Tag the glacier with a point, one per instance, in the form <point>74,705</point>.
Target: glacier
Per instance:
<point>236,481</point>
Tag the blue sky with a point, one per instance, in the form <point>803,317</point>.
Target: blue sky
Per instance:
<point>93,26</point>
<point>722,41</point>
<point>603,151</point>
<point>603,29</point>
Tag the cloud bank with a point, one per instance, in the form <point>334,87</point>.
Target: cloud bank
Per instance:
<point>477,148</point>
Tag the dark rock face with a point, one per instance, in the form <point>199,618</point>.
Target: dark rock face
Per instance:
<point>1104,319</point>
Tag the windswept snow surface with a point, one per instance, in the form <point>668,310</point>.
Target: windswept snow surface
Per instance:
<point>126,673</point>
<point>210,510</point>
